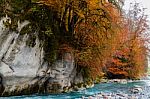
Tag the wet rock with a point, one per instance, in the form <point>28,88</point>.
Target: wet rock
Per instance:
<point>111,96</point>
<point>136,89</point>
<point>75,88</point>
<point>54,88</point>
<point>66,89</point>
<point>123,81</point>
<point>103,80</point>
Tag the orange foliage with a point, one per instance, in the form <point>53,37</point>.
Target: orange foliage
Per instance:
<point>100,34</point>
<point>130,59</point>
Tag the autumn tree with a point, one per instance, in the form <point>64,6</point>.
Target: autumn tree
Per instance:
<point>88,26</point>
<point>102,39</point>
<point>130,58</point>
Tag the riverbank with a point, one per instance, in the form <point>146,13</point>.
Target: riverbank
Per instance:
<point>142,93</point>
<point>124,89</point>
<point>117,96</point>
<point>112,89</point>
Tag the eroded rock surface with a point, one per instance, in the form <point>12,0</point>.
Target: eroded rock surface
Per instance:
<point>23,67</point>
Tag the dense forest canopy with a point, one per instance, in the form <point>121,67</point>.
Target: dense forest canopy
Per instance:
<point>105,41</point>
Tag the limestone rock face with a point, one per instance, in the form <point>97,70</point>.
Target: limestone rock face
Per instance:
<point>18,62</point>
<point>62,73</point>
<point>23,67</point>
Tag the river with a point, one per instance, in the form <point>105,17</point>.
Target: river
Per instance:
<point>98,88</point>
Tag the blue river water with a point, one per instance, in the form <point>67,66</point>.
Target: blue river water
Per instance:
<point>103,87</point>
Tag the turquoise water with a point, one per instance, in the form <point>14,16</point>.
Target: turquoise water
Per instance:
<point>104,87</point>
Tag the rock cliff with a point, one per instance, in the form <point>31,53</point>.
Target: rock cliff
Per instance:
<point>23,68</point>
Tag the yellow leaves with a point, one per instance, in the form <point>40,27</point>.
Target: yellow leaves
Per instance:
<point>93,4</point>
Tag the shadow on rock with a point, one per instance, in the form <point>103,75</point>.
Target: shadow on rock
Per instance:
<point>1,84</point>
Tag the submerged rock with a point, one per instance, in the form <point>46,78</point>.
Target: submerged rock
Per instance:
<point>136,89</point>
<point>111,96</point>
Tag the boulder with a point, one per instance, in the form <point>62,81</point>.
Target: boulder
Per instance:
<point>136,89</point>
